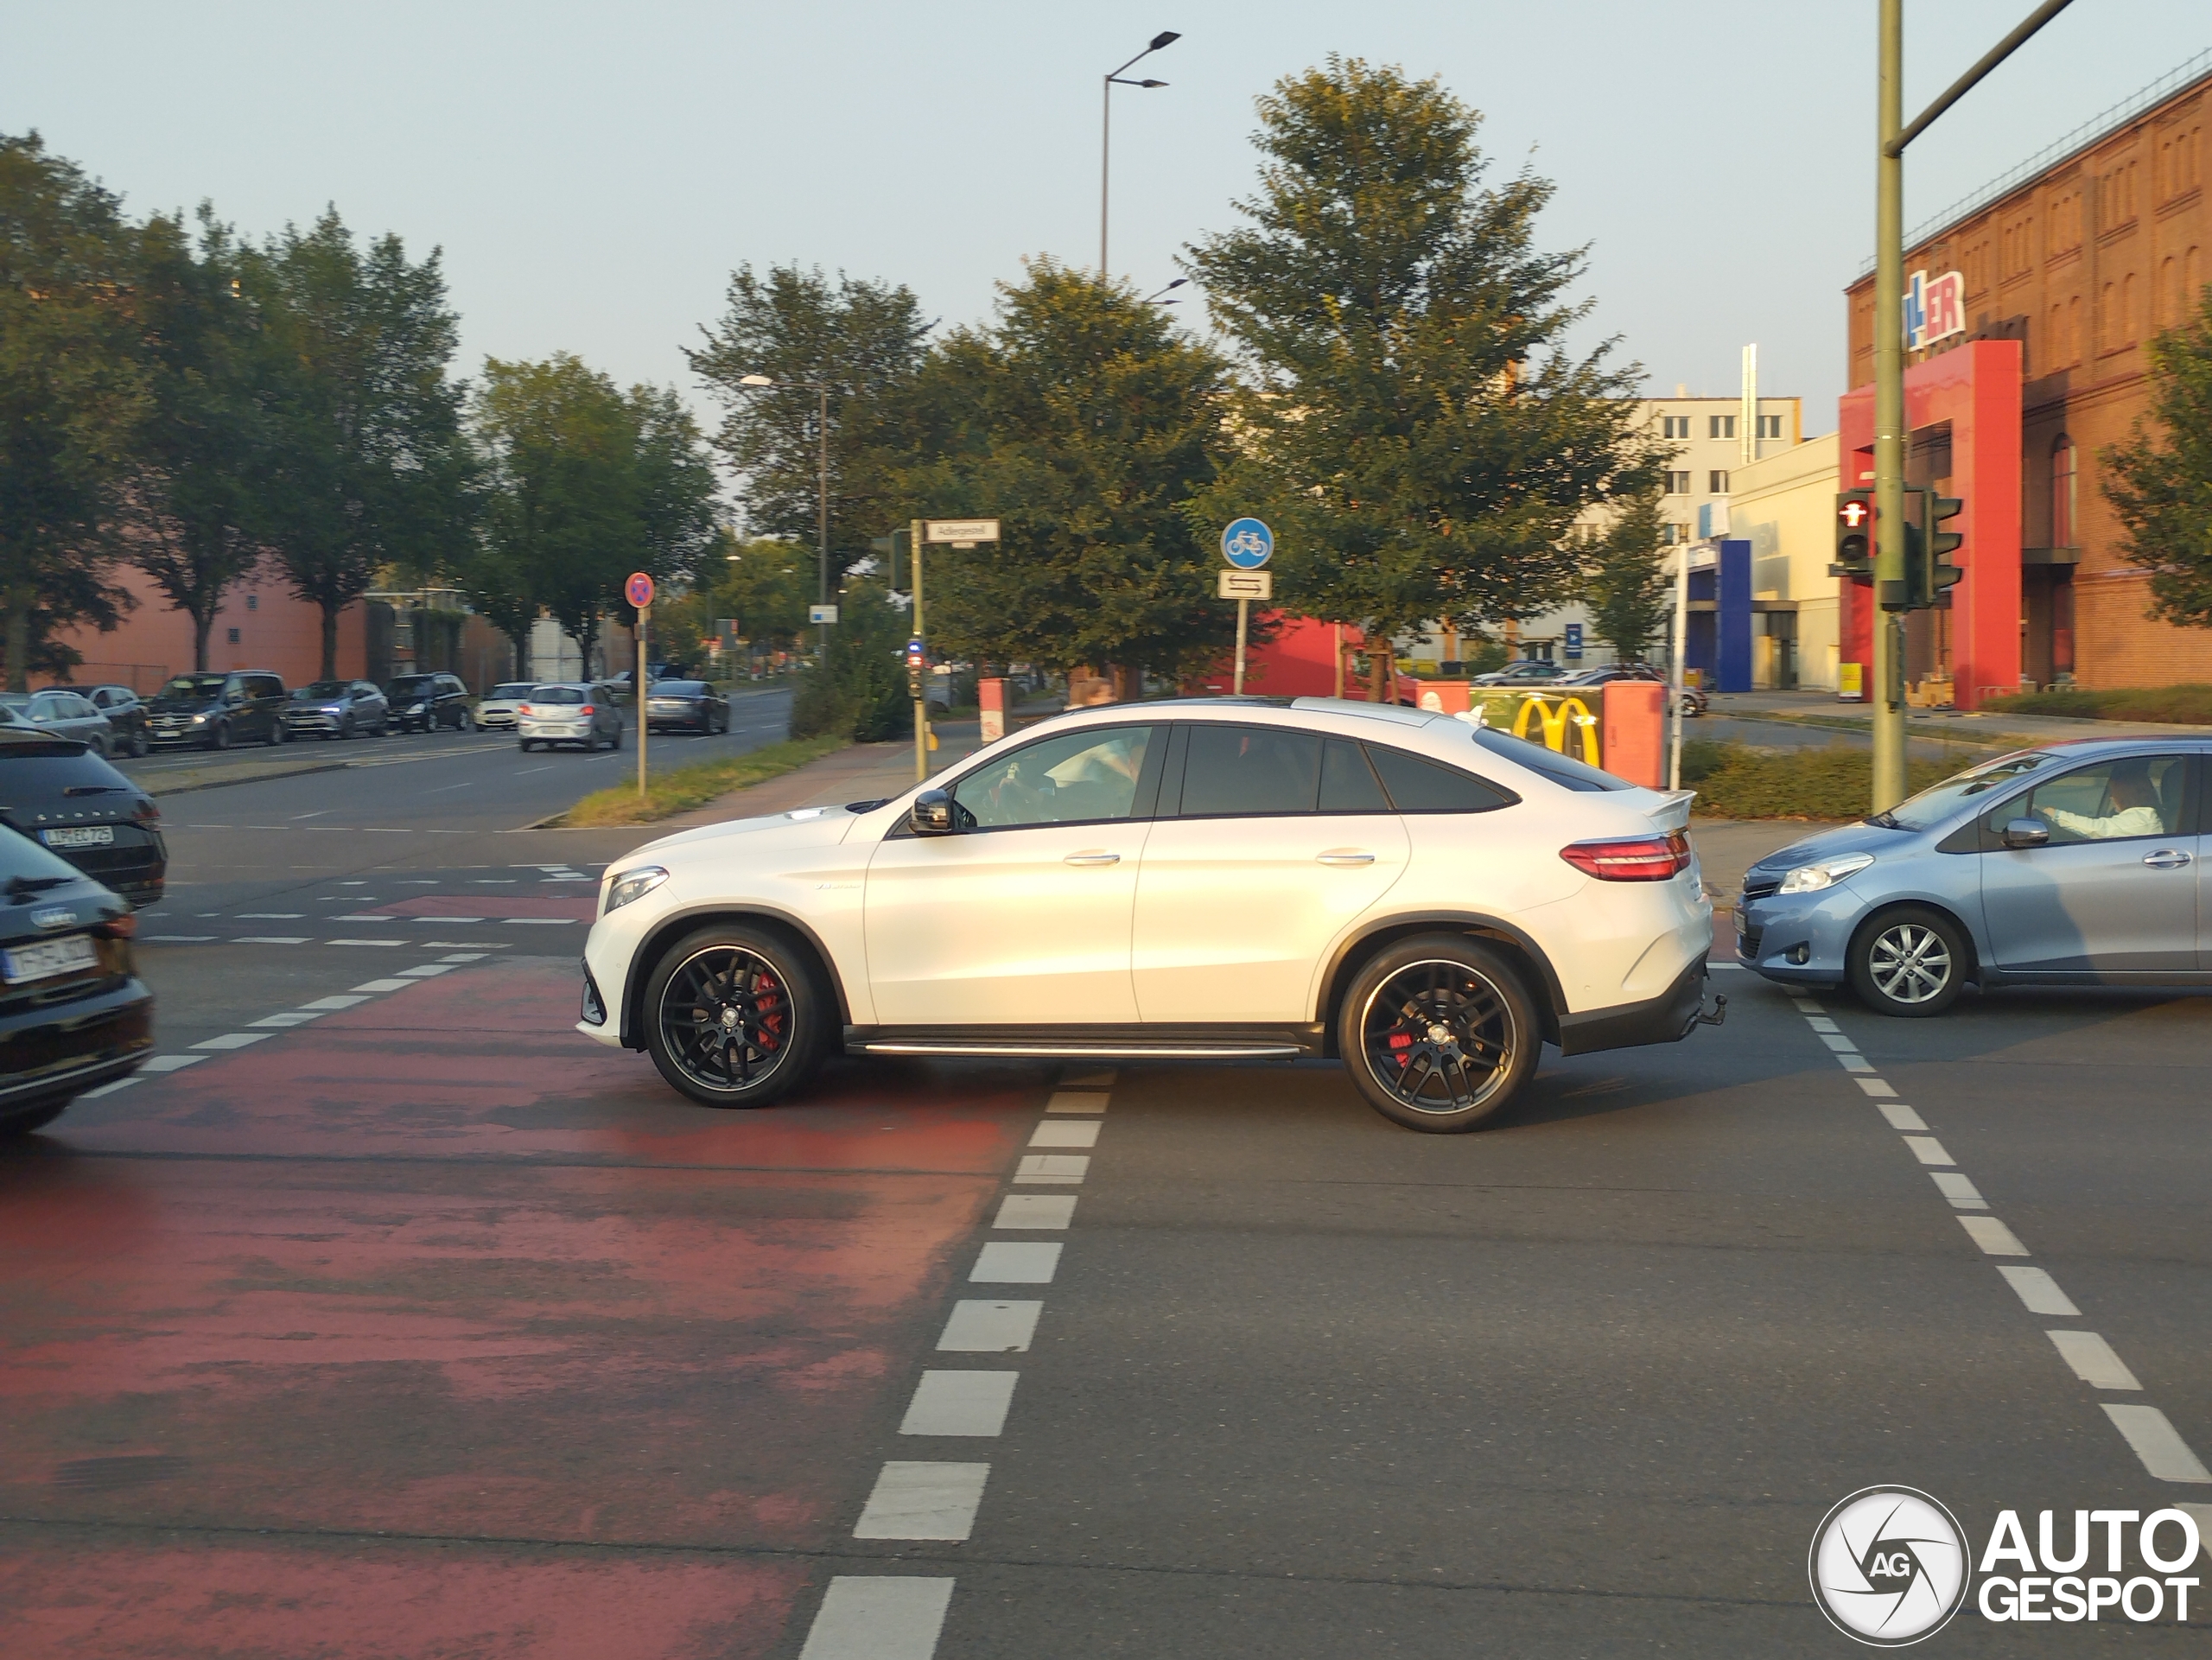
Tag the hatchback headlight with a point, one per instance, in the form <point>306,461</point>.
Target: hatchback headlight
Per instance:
<point>1810,879</point>
<point>633,885</point>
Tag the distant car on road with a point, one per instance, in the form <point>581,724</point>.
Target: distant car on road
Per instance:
<point>2077,864</point>
<point>337,709</point>
<point>1530,670</point>
<point>215,710</point>
<point>66,714</point>
<point>421,703</point>
<point>1428,900</point>
<point>686,706</point>
<point>562,712</point>
<point>67,798</point>
<point>125,713</point>
<point>495,711</point>
<point>73,1013</point>
<point>1693,698</point>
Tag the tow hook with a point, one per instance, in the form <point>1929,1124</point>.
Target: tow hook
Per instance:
<point>1719,1011</point>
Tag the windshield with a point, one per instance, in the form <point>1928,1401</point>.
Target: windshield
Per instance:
<point>1933,805</point>
<point>514,689</point>
<point>194,688</point>
<point>556,694</point>
<point>322,689</point>
<point>409,685</point>
<point>14,699</point>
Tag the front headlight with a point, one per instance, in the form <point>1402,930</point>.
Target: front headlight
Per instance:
<point>200,720</point>
<point>1810,879</point>
<point>414,708</point>
<point>633,885</point>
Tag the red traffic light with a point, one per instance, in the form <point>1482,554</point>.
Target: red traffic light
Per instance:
<point>1854,514</point>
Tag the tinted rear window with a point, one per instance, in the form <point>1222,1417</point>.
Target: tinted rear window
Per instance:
<point>1235,770</point>
<point>1348,783</point>
<point>1562,770</point>
<point>556,694</point>
<point>1419,785</point>
<point>36,771</point>
<point>679,688</point>
<point>24,859</point>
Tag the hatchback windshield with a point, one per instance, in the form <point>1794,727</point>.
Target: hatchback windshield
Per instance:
<point>679,688</point>
<point>513,688</point>
<point>321,689</point>
<point>556,694</point>
<point>1933,805</point>
<point>194,688</point>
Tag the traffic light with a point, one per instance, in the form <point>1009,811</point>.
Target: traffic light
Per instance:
<point>1941,545</point>
<point>1854,536</point>
<point>1928,572</point>
<point>916,664</point>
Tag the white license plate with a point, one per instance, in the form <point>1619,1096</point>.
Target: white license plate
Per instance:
<point>47,958</point>
<point>90,835</point>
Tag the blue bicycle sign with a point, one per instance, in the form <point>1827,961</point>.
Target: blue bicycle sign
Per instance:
<point>1247,544</point>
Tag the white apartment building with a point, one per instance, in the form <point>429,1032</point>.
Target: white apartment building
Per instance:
<point>1710,443</point>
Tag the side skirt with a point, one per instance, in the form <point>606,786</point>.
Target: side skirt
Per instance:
<point>1092,1042</point>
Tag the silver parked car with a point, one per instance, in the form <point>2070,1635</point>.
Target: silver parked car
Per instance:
<point>567,713</point>
<point>2076,863</point>
<point>66,714</point>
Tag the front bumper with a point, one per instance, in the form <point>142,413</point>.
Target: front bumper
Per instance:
<point>1798,938</point>
<point>319,721</point>
<point>1667,1018</point>
<point>162,732</point>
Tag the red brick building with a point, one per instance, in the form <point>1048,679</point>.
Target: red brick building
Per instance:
<point>2080,256</point>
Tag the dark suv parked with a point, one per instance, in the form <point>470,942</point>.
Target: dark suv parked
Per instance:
<point>74,1012</point>
<point>337,709</point>
<point>69,800</point>
<point>420,701</point>
<point>217,710</point>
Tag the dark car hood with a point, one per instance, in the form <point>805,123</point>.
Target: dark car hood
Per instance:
<point>1860,837</point>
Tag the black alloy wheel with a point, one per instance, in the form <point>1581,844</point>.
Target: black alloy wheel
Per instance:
<point>1910,963</point>
<point>222,737</point>
<point>1438,1033</point>
<point>735,1017</point>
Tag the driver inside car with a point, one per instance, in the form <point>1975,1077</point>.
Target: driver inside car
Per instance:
<point>2134,810</point>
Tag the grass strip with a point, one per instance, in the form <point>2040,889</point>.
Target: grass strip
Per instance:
<point>1734,781</point>
<point>682,788</point>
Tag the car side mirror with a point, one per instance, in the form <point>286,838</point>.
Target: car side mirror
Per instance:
<point>2026,833</point>
<point>932,813</point>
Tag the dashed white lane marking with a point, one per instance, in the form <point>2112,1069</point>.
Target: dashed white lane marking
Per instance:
<point>1075,1101</point>
<point>462,956</point>
<point>918,1500</point>
<point>368,942</point>
<point>296,1018</point>
<point>1962,1193</point>
<point>1035,1211</point>
<point>2156,1443</point>
<point>522,922</point>
<point>2039,1291</point>
<point>383,985</point>
<point>177,939</point>
<point>334,1002</point>
<point>110,1088</point>
<point>269,916</point>
<point>1874,1086</point>
<point>171,1063</point>
<point>1053,1167</point>
<point>1929,1150</point>
<point>979,1327</point>
<point>960,1403</point>
<point>1993,1235</point>
<point>872,1617</point>
<point>2094,1361</point>
<point>1854,1062</point>
<point>480,946</point>
<point>1017,1262</point>
<point>232,1039</point>
<point>440,922</point>
<point>1820,1022</point>
<point>1900,1116</point>
<point>428,970</point>
<point>365,916</point>
<point>1835,1040</point>
<point>270,939</point>
<point>1074,1133</point>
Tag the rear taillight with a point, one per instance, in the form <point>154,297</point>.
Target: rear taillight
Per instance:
<point>1639,859</point>
<point>586,709</point>
<point>116,927</point>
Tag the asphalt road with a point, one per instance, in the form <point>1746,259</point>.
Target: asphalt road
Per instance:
<point>392,1317</point>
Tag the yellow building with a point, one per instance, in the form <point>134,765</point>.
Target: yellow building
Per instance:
<point>1784,506</point>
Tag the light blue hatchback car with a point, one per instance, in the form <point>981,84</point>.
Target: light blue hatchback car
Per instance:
<point>2078,863</point>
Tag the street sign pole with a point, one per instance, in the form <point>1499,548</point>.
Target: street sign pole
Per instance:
<point>1243,624</point>
<point>1247,544</point>
<point>916,535</point>
<point>1888,705</point>
<point>638,590</point>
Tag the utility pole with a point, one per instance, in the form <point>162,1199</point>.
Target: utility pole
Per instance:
<point>915,533</point>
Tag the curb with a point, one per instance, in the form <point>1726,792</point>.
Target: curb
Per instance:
<point>252,777</point>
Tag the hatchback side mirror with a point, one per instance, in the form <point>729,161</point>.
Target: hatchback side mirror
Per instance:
<point>2026,833</point>
<point>932,814</point>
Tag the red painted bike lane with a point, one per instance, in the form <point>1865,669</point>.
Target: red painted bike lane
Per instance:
<point>432,1328</point>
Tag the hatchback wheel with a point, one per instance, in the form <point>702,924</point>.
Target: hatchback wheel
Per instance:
<point>735,1017</point>
<point>1909,962</point>
<point>1438,1033</point>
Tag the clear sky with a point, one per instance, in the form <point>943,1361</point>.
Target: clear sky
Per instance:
<point>594,172</point>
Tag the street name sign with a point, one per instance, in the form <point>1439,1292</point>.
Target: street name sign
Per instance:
<point>961,532</point>
<point>822,614</point>
<point>1247,544</point>
<point>1247,584</point>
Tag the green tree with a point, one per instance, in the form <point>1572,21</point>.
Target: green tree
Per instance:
<point>764,586</point>
<point>200,484</point>
<point>1082,422</point>
<point>1412,425</point>
<point>861,340</point>
<point>2161,485</point>
<point>73,400</point>
<point>860,687</point>
<point>365,424</point>
<point>1624,578</point>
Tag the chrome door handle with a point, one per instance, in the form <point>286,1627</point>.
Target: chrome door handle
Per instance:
<point>1092,859</point>
<point>2166,859</point>
<point>1344,856</point>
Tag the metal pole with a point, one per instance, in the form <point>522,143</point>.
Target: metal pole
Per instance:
<point>1958,88</point>
<point>1682,655</point>
<point>1889,778</point>
<point>1243,621</point>
<point>1105,152</point>
<point>922,690</point>
<point>638,673</point>
<point>821,510</point>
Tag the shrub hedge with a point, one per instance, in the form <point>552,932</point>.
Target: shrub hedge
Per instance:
<point>2185,705</point>
<point>1735,780</point>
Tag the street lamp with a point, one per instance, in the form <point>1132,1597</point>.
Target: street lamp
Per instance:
<point>821,389</point>
<point>1154,299</point>
<point>1166,37</point>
